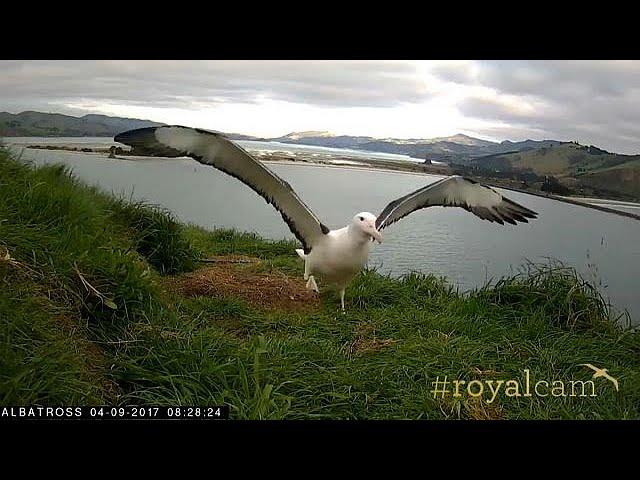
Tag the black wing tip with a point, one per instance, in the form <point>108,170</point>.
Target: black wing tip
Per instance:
<point>210,132</point>
<point>519,209</point>
<point>513,214</point>
<point>134,135</point>
<point>499,215</point>
<point>140,134</point>
<point>143,141</point>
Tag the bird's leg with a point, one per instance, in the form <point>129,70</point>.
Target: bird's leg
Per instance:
<point>342,298</point>
<point>312,285</point>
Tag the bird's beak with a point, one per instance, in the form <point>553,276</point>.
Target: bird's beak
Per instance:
<point>376,235</point>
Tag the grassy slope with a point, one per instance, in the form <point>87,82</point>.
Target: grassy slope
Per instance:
<point>132,341</point>
<point>563,159</point>
<point>623,178</point>
<point>635,163</point>
<point>544,161</point>
<point>28,124</point>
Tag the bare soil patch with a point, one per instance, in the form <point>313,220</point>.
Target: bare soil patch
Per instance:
<point>232,276</point>
<point>365,341</point>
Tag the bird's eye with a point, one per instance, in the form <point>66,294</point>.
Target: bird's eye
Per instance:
<point>361,219</point>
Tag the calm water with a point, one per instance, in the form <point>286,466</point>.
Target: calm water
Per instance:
<point>251,145</point>
<point>288,147</point>
<point>449,242</point>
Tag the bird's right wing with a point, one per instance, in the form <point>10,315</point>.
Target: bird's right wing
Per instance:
<point>211,148</point>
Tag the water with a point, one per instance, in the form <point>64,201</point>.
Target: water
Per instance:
<point>251,145</point>
<point>293,148</point>
<point>629,207</point>
<point>445,241</point>
<point>80,142</point>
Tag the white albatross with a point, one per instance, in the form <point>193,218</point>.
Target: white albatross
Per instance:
<point>335,256</point>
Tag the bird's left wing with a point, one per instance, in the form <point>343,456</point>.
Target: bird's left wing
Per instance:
<point>211,148</point>
<point>457,191</point>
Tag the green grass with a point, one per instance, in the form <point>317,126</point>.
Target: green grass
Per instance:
<point>634,164</point>
<point>85,319</point>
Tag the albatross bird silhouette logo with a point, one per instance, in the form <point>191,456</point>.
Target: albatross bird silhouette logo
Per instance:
<point>601,372</point>
<point>335,256</point>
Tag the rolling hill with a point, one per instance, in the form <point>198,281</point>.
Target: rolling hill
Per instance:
<point>583,169</point>
<point>579,167</point>
<point>457,148</point>
<point>37,124</point>
<point>623,178</point>
<point>561,160</point>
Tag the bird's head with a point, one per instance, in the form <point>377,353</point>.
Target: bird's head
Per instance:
<point>365,222</point>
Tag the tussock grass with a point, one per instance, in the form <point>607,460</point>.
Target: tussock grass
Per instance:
<point>158,237</point>
<point>554,291</point>
<point>85,318</point>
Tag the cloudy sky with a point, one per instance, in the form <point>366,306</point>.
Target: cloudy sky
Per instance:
<point>593,102</point>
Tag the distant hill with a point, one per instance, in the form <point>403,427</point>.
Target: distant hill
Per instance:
<point>460,139</point>
<point>37,124</point>
<point>323,139</point>
<point>623,178</point>
<point>560,160</point>
<point>295,136</point>
<point>508,145</point>
<point>457,148</point>
<point>576,166</point>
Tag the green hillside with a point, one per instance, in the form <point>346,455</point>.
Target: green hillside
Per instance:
<point>37,124</point>
<point>561,160</point>
<point>624,178</point>
<point>582,169</point>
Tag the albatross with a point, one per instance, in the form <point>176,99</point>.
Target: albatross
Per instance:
<point>335,256</point>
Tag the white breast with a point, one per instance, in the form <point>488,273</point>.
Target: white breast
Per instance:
<point>338,257</point>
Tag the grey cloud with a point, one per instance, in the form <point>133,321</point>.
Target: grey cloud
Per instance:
<point>589,101</point>
<point>454,72</point>
<point>495,109</point>
<point>561,79</point>
<point>182,83</point>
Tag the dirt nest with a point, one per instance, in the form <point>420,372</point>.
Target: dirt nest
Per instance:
<point>230,277</point>
<point>366,341</point>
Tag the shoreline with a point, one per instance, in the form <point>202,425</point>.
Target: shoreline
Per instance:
<point>312,159</point>
<point>321,160</point>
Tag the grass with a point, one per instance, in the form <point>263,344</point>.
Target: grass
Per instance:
<point>86,317</point>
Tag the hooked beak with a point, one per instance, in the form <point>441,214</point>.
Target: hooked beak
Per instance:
<point>376,235</point>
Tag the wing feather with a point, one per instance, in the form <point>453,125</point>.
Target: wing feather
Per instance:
<point>212,148</point>
<point>456,191</point>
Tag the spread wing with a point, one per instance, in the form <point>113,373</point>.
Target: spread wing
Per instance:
<point>211,148</point>
<point>457,191</point>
